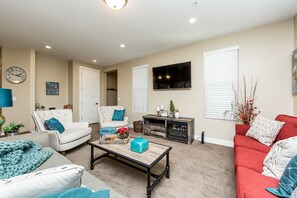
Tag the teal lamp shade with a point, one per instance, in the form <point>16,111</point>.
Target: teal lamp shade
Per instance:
<point>5,98</point>
<point>5,101</point>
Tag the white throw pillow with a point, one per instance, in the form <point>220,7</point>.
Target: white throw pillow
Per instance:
<point>294,193</point>
<point>42,182</point>
<point>265,130</point>
<point>279,156</point>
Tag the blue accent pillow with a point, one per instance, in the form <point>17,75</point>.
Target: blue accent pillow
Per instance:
<point>107,130</point>
<point>288,181</point>
<point>79,193</point>
<point>54,124</point>
<point>118,115</point>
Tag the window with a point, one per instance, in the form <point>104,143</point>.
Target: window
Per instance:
<point>140,89</point>
<point>220,81</point>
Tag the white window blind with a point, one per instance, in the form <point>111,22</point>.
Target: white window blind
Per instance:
<point>140,88</point>
<point>220,78</point>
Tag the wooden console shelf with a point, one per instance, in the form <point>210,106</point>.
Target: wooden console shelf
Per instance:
<point>176,129</point>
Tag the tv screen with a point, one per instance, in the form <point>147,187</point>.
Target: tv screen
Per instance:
<point>176,76</point>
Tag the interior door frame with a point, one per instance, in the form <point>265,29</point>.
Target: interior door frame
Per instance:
<point>79,90</point>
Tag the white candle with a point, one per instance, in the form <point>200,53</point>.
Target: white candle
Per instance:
<point>158,108</point>
<point>162,107</point>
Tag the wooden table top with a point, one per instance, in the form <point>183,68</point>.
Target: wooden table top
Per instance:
<point>147,158</point>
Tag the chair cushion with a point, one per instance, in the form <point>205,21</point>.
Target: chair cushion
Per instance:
<point>115,124</point>
<point>249,158</point>
<point>247,142</point>
<point>289,129</point>
<point>54,124</point>
<point>252,184</point>
<point>71,135</point>
<point>118,115</point>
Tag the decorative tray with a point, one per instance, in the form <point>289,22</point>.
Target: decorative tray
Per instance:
<point>113,139</point>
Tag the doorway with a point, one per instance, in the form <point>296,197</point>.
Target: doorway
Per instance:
<point>89,94</point>
<point>112,88</point>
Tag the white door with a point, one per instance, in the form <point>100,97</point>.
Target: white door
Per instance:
<point>89,94</point>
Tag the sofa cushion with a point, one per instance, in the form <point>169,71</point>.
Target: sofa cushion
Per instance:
<point>249,158</point>
<point>264,130</point>
<point>288,181</point>
<point>42,182</point>
<point>251,184</point>
<point>247,142</point>
<point>71,135</point>
<point>289,129</point>
<point>279,156</point>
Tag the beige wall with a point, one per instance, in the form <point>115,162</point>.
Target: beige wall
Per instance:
<point>264,52</point>
<point>74,68</point>
<point>51,69</point>
<point>24,92</point>
<point>295,47</point>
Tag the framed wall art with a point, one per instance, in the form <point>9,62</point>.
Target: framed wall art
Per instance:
<point>52,88</point>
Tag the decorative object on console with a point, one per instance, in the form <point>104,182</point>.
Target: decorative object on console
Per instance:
<point>288,181</point>
<point>265,130</point>
<point>52,88</point>
<point>176,114</point>
<point>6,101</point>
<point>243,109</point>
<point>172,109</point>
<point>116,4</point>
<point>139,145</point>
<point>15,75</point>
<point>12,129</point>
<point>164,113</point>
<point>279,156</point>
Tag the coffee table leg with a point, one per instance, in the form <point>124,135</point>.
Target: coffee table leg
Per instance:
<point>92,157</point>
<point>149,190</point>
<point>167,166</point>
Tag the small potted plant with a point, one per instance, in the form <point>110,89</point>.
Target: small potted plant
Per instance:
<point>12,128</point>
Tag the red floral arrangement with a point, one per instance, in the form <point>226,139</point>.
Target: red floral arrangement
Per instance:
<point>123,132</point>
<point>243,108</point>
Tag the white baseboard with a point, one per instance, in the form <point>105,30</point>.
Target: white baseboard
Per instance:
<point>215,141</point>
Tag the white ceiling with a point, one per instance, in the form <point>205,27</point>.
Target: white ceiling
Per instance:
<point>88,29</point>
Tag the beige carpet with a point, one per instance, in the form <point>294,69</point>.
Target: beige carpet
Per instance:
<point>198,170</point>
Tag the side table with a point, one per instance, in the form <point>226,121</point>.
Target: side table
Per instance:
<point>20,133</point>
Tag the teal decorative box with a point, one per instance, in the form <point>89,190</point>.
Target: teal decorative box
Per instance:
<point>139,145</point>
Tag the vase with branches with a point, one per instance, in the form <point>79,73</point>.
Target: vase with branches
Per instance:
<point>243,109</point>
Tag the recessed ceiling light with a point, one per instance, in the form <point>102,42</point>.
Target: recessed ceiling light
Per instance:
<point>192,20</point>
<point>48,47</point>
<point>122,46</point>
<point>94,61</point>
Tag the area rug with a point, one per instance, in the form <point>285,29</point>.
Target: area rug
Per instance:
<point>197,170</point>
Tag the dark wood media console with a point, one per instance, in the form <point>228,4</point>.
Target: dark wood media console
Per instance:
<point>177,129</point>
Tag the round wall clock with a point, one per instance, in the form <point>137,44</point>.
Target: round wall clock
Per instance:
<point>15,75</point>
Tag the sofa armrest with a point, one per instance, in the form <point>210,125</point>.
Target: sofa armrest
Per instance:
<point>241,129</point>
<point>76,125</point>
<point>54,139</point>
<point>41,138</point>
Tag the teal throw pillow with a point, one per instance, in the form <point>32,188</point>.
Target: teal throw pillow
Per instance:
<point>288,181</point>
<point>54,124</point>
<point>79,193</point>
<point>118,115</point>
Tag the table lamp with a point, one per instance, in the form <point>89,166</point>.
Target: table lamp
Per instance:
<point>5,101</point>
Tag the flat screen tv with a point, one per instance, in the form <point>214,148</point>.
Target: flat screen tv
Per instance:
<point>175,76</point>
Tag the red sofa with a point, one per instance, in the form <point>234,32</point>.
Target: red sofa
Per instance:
<point>249,155</point>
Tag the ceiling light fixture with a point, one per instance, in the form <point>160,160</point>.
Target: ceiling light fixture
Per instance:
<point>94,61</point>
<point>122,46</point>
<point>48,47</point>
<point>116,4</point>
<point>192,20</point>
